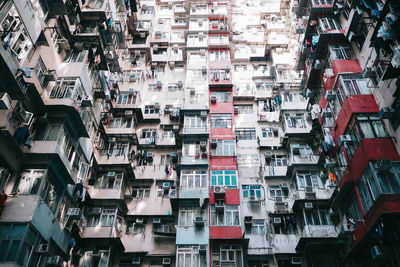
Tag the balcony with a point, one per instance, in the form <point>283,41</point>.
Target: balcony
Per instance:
<point>302,155</point>
<point>319,231</point>
<point>167,139</point>
<point>203,131</point>
<point>127,100</point>
<point>218,25</point>
<point>198,25</point>
<point>102,232</point>
<point>200,159</point>
<point>284,243</point>
<point>95,10</point>
<point>275,171</point>
<point>160,37</point>
<point>199,10</point>
<point>220,77</point>
<point>153,171</point>
<point>118,125</point>
<point>159,54</point>
<point>197,41</point>
<point>106,157</point>
<point>268,110</point>
<point>108,187</point>
<point>218,40</point>
<point>88,32</point>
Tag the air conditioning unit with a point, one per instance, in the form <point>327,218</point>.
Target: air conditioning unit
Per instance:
<point>376,252</point>
<point>155,47</point>
<point>308,205</point>
<point>113,140</point>
<point>383,165</point>
<point>180,84</point>
<point>369,72</point>
<point>203,114</point>
<point>192,91</point>
<point>219,190</point>
<point>111,174</point>
<point>128,113</point>
<point>50,75</point>
<point>139,220</point>
<point>213,99</point>
<point>277,220</point>
<point>329,95</point>
<point>213,143</point>
<point>296,261</point>
<point>254,199</point>
<point>136,261</point>
<point>55,261</point>
<point>142,35</point>
<point>278,199</point>
<point>344,138</point>
<point>5,101</point>
<point>96,211</point>
<point>74,212</point>
<point>199,221</point>
<point>166,185</point>
<point>43,248</point>
<point>157,105</point>
<point>202,249</point>
<point>159,84</point>
<point>326,112</point>
<point>156,220</point>
<point>166,261</point>
<point>175,128</point>
<point>200,22</point>
<point>387,113</point>
<point>157,35</point>
<point>268,154</point>
<point>236,110</point>
<point>285,186</point>
<point>144,7</point>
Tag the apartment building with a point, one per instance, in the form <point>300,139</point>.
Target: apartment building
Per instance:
<point>199,133</point>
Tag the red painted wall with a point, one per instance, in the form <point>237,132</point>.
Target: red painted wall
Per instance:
<point>351,105</point>
<point>384,204</point>
<point>232,197</point>
<point>225,232</point>
<point>222,163</point>
<point>222,133</point>
<point>368,150</point>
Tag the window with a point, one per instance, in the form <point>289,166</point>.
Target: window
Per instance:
<point>275,191</point>
<point>220,75</point>
<point>257,227</point>
<point>120,122</point>
<point>29,182</point>
<point>304,179</point>
<point>224,148</point>
<point>105,219</point>
<point>288,225</point>
<point>245,109</point>
<point>40,69</point>
<point>367,126</point>
<point>16,38</point>
<point>390,181</point>
<point>354,211</point>
<point>251,191</point>
<point>228,255</point>
<point>317,216</point>
<point>49,132</point>
<point>339,51</point>
<point>140,192</point>
<point>110,180</point>
<point>193,149</point>
<point>245,134</point>
<point>127,98</point>
<point>68,88</point>
<point>227,217</point>
<point>269,133</point>
<point>190,256</point>
<point>187,215</point>
<point>193,179</point>
<point>293,97</point>
<point>351,84</point>
<point>219,55</point>
<point>75,56</point>
<point>329,24</point>
<point>295,120</point>
<point>151,110</point>
<point>134,228</point>
<point>276,161</point>
<point>221,120</point>
<point>52,192</point>
<point>222,96</point>
<point>16,243</point>
<point>224,178</point>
